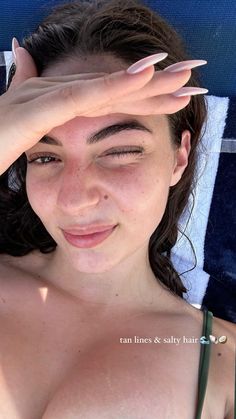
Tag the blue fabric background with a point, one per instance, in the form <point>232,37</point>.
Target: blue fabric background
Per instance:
<point>208,27</point>
<point>220,245</point>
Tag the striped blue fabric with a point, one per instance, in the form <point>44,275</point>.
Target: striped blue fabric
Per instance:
<point>220,242</point>
<point>208,28</point>
<point>212,224</point>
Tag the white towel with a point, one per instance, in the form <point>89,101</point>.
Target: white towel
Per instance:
<point>207,165</point>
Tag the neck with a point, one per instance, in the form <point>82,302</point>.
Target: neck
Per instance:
<point>128,285</point>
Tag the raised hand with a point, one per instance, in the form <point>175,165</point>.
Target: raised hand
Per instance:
<point>33,105</point>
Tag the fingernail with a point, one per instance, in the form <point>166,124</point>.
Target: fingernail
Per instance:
<point>15,44</point>
<point>184,65</point>
<point>146,62</point>
<point>187,91</point>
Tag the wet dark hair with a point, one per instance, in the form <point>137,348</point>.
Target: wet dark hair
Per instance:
<point>130,31</point>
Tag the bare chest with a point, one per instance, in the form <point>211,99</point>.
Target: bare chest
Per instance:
<point>54,366</point>
<point>61,377</point>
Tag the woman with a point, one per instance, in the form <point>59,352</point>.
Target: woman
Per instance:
<point>94,325</point>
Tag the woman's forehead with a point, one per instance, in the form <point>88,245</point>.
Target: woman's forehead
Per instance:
<point>88,64</point>
<point>111,125</point>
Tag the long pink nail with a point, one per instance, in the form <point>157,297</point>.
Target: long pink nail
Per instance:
<point>146,62</point>
<point>15,44</point>
<point>184,65</point>
<point>188,91</point>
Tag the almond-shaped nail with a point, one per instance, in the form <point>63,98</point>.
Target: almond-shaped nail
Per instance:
<point>15,44</point>
<point>146,62</point>
<point>188,91</point>
<point>184,65</point>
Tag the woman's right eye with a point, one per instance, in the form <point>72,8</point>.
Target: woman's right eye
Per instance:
<point>46,159</point>
<point>42,158</point>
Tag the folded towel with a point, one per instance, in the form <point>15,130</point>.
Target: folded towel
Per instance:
<point>212,224</point>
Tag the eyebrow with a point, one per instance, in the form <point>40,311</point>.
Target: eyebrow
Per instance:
<point>104,133</point>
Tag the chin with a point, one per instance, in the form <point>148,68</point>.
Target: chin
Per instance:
<point>90,260</point>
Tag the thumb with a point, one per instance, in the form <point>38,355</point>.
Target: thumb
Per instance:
<point>25,67</point>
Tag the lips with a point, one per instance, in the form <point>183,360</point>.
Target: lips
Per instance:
<point>88,240</point>
<point>88,230</point>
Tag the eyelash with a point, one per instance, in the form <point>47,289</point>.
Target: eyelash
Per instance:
<point>118,154</point>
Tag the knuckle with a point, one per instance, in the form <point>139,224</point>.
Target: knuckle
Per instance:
<point>27,81</point>
<point>168,81</point>
<point>183,76</point>
<point>67,94</point>
<point>107,81</point>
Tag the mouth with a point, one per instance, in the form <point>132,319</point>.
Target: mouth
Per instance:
<point>88,240</point>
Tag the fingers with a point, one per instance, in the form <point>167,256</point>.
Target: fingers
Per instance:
<point>77,84</point>
<point>38,86</point>
<point>161,83</point>
<point>111,90</point>
<point>72,77</point>
<point>58,104</point>
<point>47,103</point>
<point>163,104</point>
<point>72,85</point>
<point>80,96</point>
<point>153,98</point>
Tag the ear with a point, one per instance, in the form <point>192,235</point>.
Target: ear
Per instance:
<point>181,157</point>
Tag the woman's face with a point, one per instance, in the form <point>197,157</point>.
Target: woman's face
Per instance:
<point>84,183</point>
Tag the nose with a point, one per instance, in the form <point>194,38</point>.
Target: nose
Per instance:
<point>78,190</point>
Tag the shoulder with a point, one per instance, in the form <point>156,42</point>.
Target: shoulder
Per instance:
<point>22,267</point>
<point>19,283</point>
<point>221,376</point>
<point>223,362</point>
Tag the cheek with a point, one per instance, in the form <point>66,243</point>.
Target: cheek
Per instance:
<point>143,196</point>
<point>140,191</point>
<point>40,195</point>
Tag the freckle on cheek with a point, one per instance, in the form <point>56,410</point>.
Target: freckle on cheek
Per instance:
<point>105,196</point>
